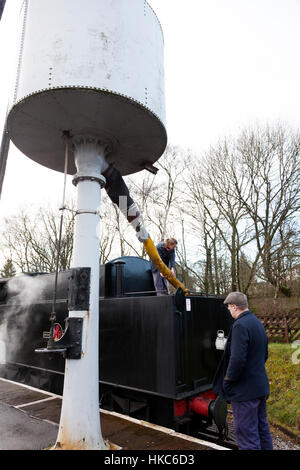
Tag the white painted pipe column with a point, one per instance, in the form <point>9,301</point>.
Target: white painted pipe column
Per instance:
<point>79,426</point>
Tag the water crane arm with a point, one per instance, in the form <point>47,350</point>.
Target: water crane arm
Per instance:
<point>118,192</point>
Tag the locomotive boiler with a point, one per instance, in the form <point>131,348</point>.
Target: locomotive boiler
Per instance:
<point>157,354</point>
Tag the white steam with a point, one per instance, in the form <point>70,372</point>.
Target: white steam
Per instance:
<point>2,344</point>
<point>23,292</point>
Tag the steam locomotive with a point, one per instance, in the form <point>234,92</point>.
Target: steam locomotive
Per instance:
<point>157,354</point>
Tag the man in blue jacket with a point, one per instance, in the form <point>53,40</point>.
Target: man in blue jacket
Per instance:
<point>241,377</point>
<point>166,251</point>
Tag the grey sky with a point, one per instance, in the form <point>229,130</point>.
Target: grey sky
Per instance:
<point>228,63</point>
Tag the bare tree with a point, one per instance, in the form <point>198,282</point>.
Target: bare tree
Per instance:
<point>159,196</point>
<point>270,159</point>
<point>32,240</point>
<point>107,230</point>
<point>184,270</point>
<point>217,214</point>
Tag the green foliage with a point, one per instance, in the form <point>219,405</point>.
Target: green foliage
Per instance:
<point>283,369</point>
<point>8,269</point>
<point>287,291</point>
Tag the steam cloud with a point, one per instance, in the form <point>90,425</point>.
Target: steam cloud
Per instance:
<point>23,292</point>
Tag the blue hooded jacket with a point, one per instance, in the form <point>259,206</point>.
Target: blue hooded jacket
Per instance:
<point>167,256</point>
<point>243,361</point>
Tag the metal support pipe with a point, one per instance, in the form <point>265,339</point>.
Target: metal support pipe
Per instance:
<point>79,426</point>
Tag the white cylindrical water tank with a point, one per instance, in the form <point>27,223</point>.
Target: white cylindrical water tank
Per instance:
<point>92,67</point>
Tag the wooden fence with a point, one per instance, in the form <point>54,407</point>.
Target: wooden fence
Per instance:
<point>282,327</point>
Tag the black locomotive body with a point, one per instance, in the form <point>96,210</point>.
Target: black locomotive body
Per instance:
<point>157,354</point>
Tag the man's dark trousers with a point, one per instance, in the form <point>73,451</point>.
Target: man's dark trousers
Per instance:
<point>251,425</point>
<point>160,283</point>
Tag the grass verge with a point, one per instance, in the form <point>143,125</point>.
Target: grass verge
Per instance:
<point>283,369</point>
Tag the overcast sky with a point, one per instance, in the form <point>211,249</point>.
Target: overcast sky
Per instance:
<point>228,64</point>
